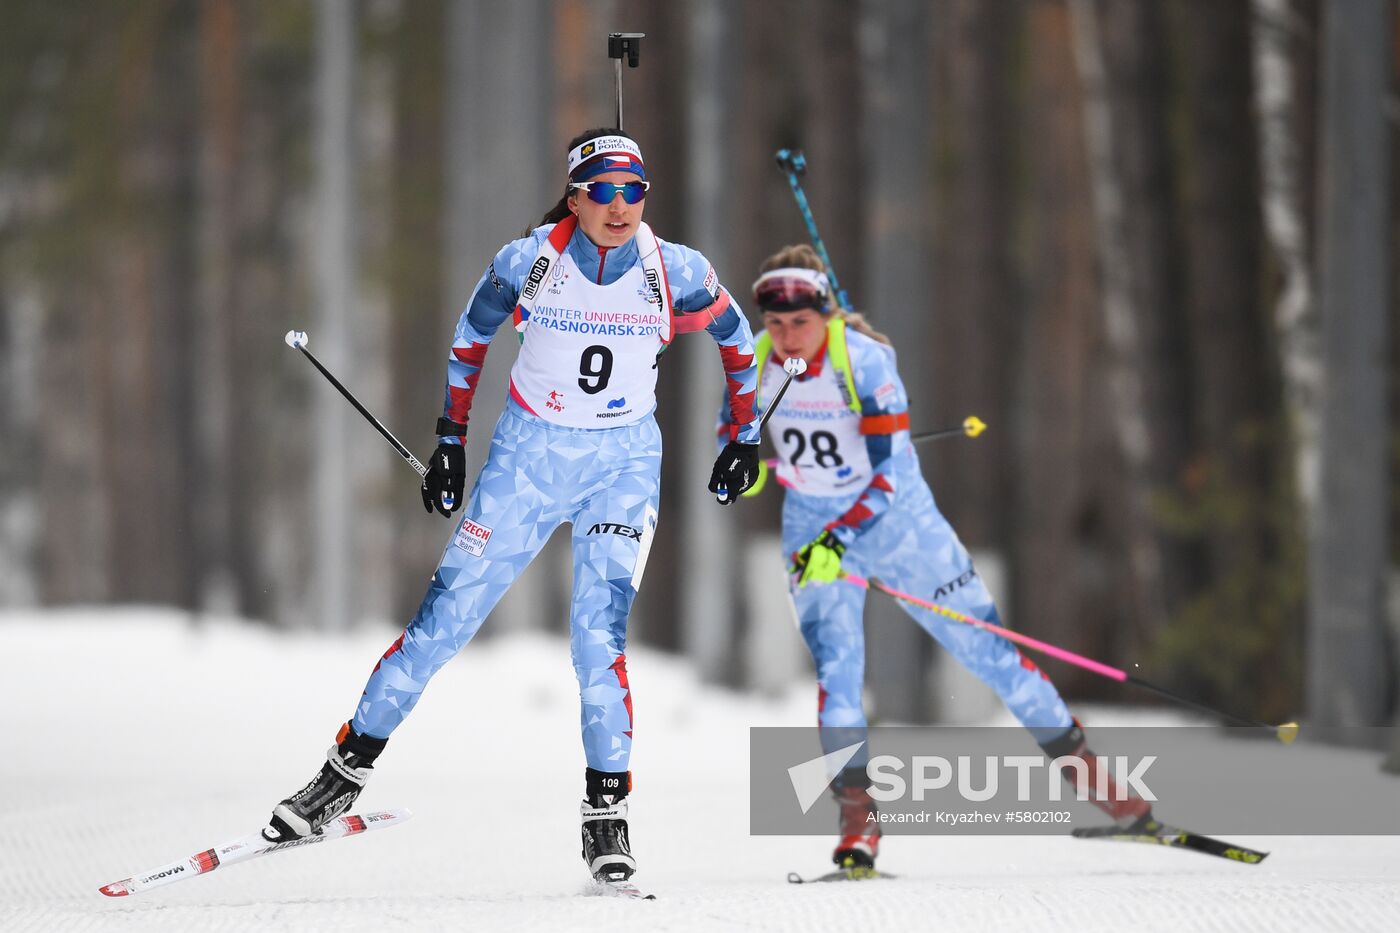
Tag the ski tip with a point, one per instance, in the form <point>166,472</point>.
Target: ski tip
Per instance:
<point>841,874</point>
<point>400,813</point>
<point>116,888</point>
<point>1287,732</point>
<point>620,888</point>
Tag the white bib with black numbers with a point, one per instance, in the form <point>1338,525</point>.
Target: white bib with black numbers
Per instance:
<point>821,451</point>
<point>588,357</point>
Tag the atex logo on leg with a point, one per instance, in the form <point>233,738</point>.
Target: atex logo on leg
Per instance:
<point>614,528</point>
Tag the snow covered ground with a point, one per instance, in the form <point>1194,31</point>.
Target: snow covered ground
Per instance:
<point>132,739</point>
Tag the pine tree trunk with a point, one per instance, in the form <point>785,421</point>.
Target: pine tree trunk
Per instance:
<point>333,237</point>
<point>705,614</point>
<point>417,280</point>
<point>1063,590</point>
<point>1123,323</point>
<point>897,158</point>
<point>210,496</point>
<point>140,359</point>
<point>484,46</point>
<point>1347,550</point>
<point>975,347</point>
<point>1281,104</point>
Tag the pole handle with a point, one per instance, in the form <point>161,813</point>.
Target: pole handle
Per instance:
<point>792,366</point>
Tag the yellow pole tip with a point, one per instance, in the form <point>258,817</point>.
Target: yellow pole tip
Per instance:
<point>973,425</point>
<point>1287,732</point>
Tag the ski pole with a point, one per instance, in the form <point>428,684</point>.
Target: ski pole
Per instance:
<point>793,366</point>
<point>628,44</point>
<point>297,340</point>
<point>970,427</point>
<point>1286,732</point>
<point>794,164</point>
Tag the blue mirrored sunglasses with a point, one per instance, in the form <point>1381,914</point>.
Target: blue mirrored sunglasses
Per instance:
<point>602,192</point>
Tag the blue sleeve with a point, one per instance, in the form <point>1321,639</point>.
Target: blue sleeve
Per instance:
<point>699,301</point>
<point>883,399</point>
<point>492,302</point>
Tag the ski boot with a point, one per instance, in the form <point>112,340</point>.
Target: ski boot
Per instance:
<point>1131,813</point>
<point>331,792</point>
<point>603,813</point>
<point>860,834</point>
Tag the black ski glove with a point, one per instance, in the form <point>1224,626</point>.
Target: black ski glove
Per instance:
<point>445,479</point>
<point>736,469</point>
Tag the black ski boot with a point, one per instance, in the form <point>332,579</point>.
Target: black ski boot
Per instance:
<point>606,851</point>
<point>331,792</point>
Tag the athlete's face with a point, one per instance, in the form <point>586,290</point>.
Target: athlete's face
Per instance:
<point>796,333</point>
<point>610,224</point>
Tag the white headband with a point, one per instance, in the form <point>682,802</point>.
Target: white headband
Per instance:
<point>601,145</point>
<point>817,279</point>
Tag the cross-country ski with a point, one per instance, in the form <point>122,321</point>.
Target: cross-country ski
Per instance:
<point>245,848</point>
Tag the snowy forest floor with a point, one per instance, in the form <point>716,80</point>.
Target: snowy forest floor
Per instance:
<point>133,739</point>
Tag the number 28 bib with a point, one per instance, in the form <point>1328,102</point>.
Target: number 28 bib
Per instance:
<point>821,451</point>
<point>588,357</point>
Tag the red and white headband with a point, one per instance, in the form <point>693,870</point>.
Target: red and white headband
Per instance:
<point>790,289</point>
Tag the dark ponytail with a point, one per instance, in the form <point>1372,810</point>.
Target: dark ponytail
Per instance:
<point>552,216</point>
<point>561,210</point>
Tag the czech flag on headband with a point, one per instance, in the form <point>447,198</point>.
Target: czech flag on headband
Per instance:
<point>606,154</point>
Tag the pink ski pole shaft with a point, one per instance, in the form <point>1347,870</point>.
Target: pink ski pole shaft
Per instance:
<point>1286,732</point>
<point>1078,660</point>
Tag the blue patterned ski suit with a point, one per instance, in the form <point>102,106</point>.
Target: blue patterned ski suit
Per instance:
<point>539,473</point>
<point>857,474</point>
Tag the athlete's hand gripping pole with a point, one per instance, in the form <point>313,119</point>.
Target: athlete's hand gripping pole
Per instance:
<point>297,340</point>
<point>1286,732</point>
<point>724,476</point>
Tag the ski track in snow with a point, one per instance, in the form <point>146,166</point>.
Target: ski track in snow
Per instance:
<point>136,739</point>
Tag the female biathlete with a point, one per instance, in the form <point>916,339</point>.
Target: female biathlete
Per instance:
<point>596,297</point>
<point>855,498</point>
